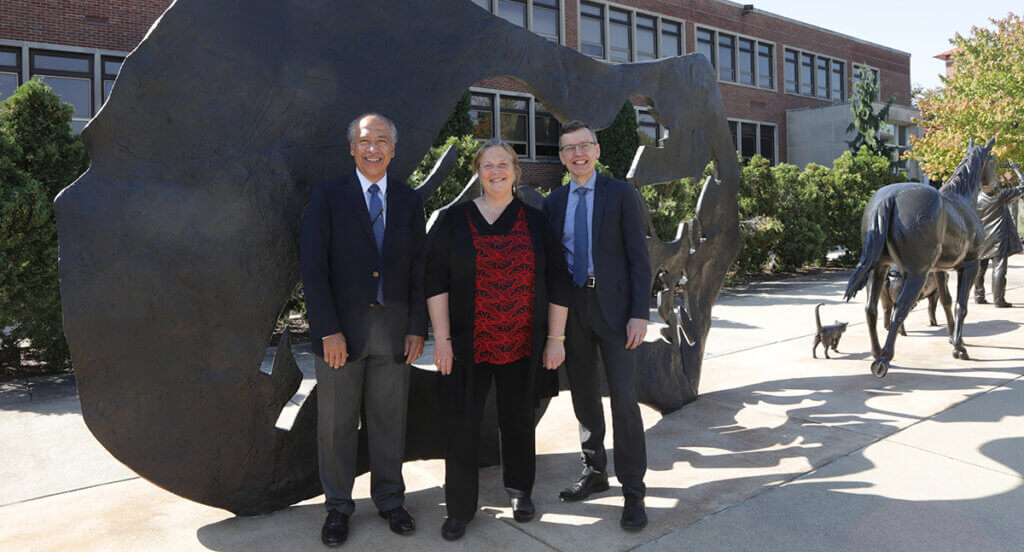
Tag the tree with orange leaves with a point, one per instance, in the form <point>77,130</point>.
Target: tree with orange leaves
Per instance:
<point>984,98</point>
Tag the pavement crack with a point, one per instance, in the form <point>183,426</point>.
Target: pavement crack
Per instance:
<point>69,491</point>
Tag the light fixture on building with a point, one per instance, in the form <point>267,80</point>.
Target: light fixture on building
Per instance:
<point>747,8</point>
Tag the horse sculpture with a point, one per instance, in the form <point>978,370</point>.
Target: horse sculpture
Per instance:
<point>923,230</point>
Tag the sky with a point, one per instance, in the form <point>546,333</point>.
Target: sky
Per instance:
<point>922,28</point>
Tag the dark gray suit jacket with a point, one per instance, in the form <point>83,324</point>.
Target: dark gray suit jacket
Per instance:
<point>622,266</point>
<point>341,264</point>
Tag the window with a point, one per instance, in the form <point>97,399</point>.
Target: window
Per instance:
<point>70,77</point>
<point>895,136</point>
<point>518,119</point>
<point>620,44</point>
<point>111,67</point>
<point>620,35</point>
<point>540,16</point>
<point>753,138</point>
<point>592,30</point>
<point>815,76</point>
<point>737,58</point>
<point>10,71</point>
<point>650,131</point>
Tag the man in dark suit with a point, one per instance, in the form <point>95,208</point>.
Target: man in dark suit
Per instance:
<point>605,248</point>
<point>363,249</point>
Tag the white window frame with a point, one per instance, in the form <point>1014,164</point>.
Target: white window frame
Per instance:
<point>658,18</point>
<point>529,17</point>
<point>739,136</point>
<point>531,140</point>
<point>736,49</point>
<point>814,70</point>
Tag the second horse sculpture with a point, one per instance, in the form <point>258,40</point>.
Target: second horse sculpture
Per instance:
<point>922,230</point>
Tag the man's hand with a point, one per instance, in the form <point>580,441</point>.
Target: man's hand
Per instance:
<point>554,354</point>
<point>413,348</point>
<point>335,350</point>
<point>443,355</point>
<point>636,331</point>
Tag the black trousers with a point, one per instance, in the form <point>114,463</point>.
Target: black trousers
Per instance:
<point>999,266</point>
<point>383,384</point>
<point>586,333</point>
<point>516,426</point>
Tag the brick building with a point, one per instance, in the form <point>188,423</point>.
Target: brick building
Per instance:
<point>785,84</point>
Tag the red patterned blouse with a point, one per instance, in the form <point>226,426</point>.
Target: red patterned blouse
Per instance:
<point>503,322</point>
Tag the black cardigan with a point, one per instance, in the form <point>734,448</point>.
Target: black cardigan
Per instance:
<point>451,268</point>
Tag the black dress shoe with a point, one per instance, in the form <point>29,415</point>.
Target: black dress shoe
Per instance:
<point>634,517</point>
<point>453,529</point>
<point>592,482</point>
<point>400,521</point>
<point>335,529</point>
<point>523,509</point>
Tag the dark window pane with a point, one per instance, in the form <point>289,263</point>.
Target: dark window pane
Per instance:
<point>513,12</point>
<point>746,61</point>
<point>618,34</point>
<point>545,22</point>
<point>765,66</point>
<point>644,22</point>
<point>838,76</point>
<point>515,126</point>
<point>8,59</point>
<point>822,78</point>
<point>74,91</point>
<point>107,86</point>
<point>483,124</point>
<point>8,82</point>
<point>732,131</point>
<point>547,128</point>
<point>671,39</point>
<point>516,104</point>
<point>807,74</point>
<point>61,63</point>
<point>592,31</point>
<point>726,60</point>
<point>768,143</point>
<point>481,100</point>
<point>706,44</point>
<point>648,128</point>
<point>591,10</point>
<point>792,84</point>
<point>748,140</point>
<point>553,4</point>
<point>646,48</point>
<point>485,4</point>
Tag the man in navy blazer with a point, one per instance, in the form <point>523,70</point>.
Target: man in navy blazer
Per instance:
<point>363,250</point>
<point>602,232</point>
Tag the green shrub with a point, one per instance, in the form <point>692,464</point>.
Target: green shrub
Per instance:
<point>619,142</point>
<point>461,174</point>
<point>39,156</point>
<point>459,122</point>
<point>670,204</point>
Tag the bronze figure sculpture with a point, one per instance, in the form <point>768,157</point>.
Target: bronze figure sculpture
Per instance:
<point>179,246</point>
<point>922,230</point>
<point>1001,239</point>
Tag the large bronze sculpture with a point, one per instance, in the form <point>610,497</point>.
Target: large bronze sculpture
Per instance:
<point>179,246</point>
<point>922,230</point>
<point>1001,239</point>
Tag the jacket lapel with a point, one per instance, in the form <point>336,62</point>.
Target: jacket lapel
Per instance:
<point>354,198</point>
<point>600,200</point>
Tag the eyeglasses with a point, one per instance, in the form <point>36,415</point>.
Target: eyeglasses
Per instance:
<point>582,147</point>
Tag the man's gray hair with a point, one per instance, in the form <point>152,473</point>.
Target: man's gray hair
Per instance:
<point>354,125</point>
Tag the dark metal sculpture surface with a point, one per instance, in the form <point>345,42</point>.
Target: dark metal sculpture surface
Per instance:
<point>923,230</point>
<point>179,246</point>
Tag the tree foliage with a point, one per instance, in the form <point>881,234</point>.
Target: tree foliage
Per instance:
<point>459,122</point>
<point>620,141</point>
<point>866,123</point>
<point>984,98</point>
<point>452,186</point>
<point>39,156</point>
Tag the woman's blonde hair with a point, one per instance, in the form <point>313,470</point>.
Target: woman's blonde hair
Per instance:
<point>497,143</point>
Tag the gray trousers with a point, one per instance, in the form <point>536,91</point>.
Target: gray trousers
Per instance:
<point>383,384</point>
<point>999,266</point>
<point>586,333</point>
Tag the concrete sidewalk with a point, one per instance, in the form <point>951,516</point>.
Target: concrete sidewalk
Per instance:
<point>781,451</point>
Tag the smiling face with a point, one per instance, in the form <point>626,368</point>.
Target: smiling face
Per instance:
<point>497,173</point>
<point>581,159</point>
<point>373,147</point>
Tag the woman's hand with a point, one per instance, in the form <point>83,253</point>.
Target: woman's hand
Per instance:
<point>443,355</point>
<point>554,354</point>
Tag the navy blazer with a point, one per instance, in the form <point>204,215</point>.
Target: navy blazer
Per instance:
<point>341,265</point>
<point>622,265</point>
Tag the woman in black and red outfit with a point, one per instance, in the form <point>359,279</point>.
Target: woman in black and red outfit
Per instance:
<point>497,287</point>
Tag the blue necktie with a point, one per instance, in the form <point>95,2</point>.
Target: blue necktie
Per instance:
<point>580,240</point>
<point>377,219</point>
